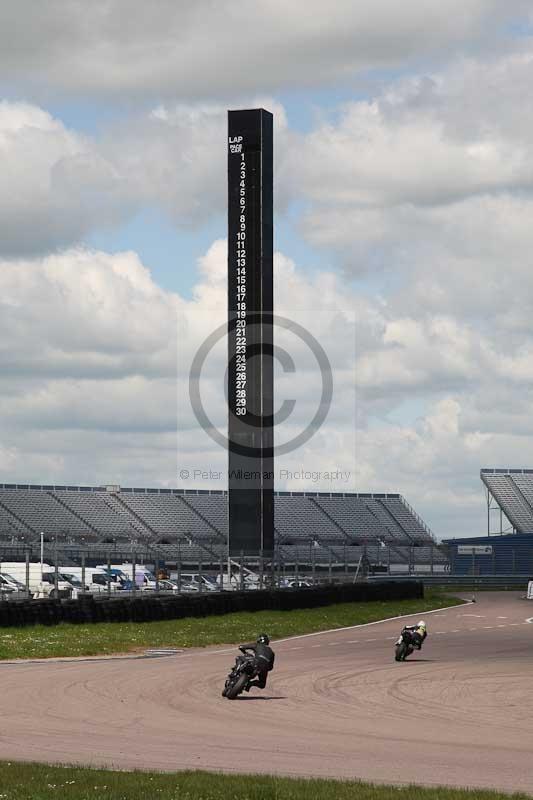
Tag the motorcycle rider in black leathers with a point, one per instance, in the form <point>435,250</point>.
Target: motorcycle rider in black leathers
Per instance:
<point>264,660</point>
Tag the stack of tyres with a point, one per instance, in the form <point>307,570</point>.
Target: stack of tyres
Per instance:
<point>153,610</point>
<point>5,615</point>
<point>111,610</point>
<point>137,610</point>
<point>45,613</point>
<point>239,601</point>
<point>106,608</point>
<point>12,615</point>
<point>97,613</point>
<point>25,612</point>
<point>167,607</point>
<point>71,611</point>
<point>118,610</point>
<point>144,609</point>
<point>258,600</point>
<point>122,610</point>
<point>31,614</point>
<point>87,608</point>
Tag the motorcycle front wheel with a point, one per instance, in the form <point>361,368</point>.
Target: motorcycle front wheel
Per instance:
<point>401,651</point>
<point>238,686</point>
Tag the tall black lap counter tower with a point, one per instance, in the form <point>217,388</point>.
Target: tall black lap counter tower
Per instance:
<point>250,333</point>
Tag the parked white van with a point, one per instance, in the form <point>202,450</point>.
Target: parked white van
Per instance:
<point>144,579</point>
<point>41,585</point>
<point>95,579</point>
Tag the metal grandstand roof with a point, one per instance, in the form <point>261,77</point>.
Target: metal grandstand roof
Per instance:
<point>156,490</point>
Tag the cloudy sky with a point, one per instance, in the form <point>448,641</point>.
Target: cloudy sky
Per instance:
<point>404,237</point>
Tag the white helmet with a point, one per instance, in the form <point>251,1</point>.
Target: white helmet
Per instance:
<point>421,624</point>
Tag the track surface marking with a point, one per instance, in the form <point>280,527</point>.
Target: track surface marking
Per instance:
<point>337,705</point>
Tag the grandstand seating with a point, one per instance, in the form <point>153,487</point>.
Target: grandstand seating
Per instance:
<point>381,511</point>
<point>309,527</point>
<point>212,508</point>
<point>97,512</point>
<point>40,511</point>
<point>352,516</point>
<point>513,491</point>
<point>298,518</point>
<point>407,520</point>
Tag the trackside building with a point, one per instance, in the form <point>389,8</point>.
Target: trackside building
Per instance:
<point>502,554</point>
<point>508,546</point>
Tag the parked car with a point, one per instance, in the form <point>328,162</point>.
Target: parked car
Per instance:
<point>166,585</point>
<point>191,581</point>
<point>10,585</point>
<point>294,583</point>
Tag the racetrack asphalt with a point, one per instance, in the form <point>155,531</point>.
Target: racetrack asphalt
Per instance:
<point>459,713</point>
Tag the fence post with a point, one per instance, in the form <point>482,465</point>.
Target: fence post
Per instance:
<point>83,573</point>
<point>345,563</point>
<point>200,578</point>
<point>222,573</point>
<point>241,571</point>
<point>330,572</point>
<point>28,572</point>
<point>156,573</point>
<point>56,571</point>
<point>133,571</point>
<point>261,567</point>
<point>313,564</point>
<point>178,567</point>
<point>108,581</point>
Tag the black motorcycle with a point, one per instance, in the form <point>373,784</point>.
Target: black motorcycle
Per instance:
<point>404,645</point>
<point>243,671</point>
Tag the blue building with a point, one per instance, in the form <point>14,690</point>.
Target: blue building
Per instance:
<point>509,551</point>
<point>502,554</point>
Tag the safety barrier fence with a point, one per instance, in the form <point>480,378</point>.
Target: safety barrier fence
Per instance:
<point>468,582</point>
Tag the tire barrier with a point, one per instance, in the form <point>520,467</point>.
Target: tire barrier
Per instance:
<point>89,608</point>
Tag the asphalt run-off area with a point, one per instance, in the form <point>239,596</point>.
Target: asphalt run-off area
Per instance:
<point>458,713</point>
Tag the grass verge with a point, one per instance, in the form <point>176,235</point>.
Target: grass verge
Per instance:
<point>42,641</point>
<point>41,782</point>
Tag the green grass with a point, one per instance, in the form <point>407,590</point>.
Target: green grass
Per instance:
<point>41,782</point>
<point>42,641</point>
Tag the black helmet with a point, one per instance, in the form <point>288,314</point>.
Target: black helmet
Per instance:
<point>263,639</point>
